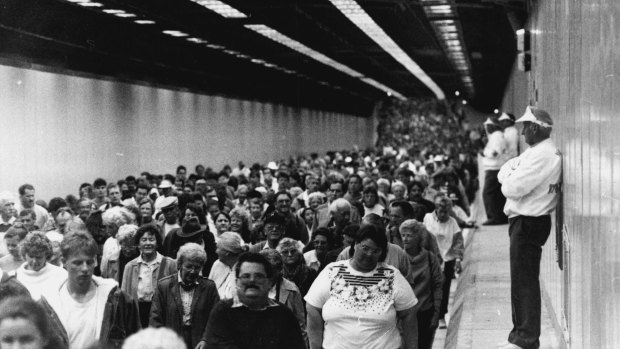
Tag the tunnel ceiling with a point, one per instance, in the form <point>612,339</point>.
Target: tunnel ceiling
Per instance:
<point>204,51</point>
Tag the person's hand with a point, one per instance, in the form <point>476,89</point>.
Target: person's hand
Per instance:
<point>457,266</point>
<point>201,345</point>
<point>434,321</point>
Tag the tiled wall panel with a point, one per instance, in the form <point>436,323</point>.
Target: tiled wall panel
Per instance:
<point>575,76</point>
<point>58,131</point>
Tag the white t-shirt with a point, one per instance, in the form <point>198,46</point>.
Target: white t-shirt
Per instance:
<point>41,282</point>
<point>224,278</point>
<point>359,309</point>
<point>444,232</point>
<point>83,321</point>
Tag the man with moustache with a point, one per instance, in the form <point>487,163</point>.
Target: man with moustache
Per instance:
<point>251,320</point>
<point>183,301</point>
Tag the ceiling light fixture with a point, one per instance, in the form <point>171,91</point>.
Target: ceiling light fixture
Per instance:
<point>175,33</point>
<point>221,8</point>
<point>362,20</point>
<point>144,21</point>
<point>282,39</point>
<point>90,4</point>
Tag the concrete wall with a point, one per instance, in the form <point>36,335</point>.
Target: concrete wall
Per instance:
<point>58,130</point>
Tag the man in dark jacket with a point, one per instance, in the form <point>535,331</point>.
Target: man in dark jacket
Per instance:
<point>182,302</point>
<point>88,309</point>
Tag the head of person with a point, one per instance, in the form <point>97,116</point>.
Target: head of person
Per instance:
<point>28,218</point>
<point>312,183</point>
<point>115,217</point>
<point>35,249</point>
<point>291,251</point>
<point>23,324</point>
<point>213,207</point>
<point>99,188</point>
<point>370,248</point>
<point>307,214</point>
<point>86,190</point>
<point>316,199</point>
<point>95,227</point>
<point>242,192</point>
<point>370,197</point>
<point>412,233</point>
<point>340,212</point>
<point>7,205</point>
<point>349,234</point>
<point>142,192</point>
<point>12,238</point>
<point>283,180</point>
<point>222,222</point>
<point>277,262</point>
<point>182,172</point>
<point>256,209</point>
<point>322,240</point>
<point>148,240</point>
<point>537,125</point>
<point>126,239</point>
<point>63,217</point>
<point>399,190</point>
<point>85,207</point>
<point>26,195</point>
<point>355,183</point>
<point>195,213</point>
<point>443,205</point>
<point>146,209</point>
<point>170,210</point>
<point>399,212</point>
<point>267,174</point>
<point>417,190</point>
<point>254,274</point>
<point>191,257</point>
<point>229,247</point>
<point>239,220</point>
<point>79,256</point>
<point>114,193</point>
<point>283,202</point>
<point>274,227</point>
<point>404,175</point>
<point>383,186</point>
<point>335,191</point>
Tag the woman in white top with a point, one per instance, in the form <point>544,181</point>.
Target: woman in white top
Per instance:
<point>357,303</point>
<point>37,275</point>
<point>229,247</point>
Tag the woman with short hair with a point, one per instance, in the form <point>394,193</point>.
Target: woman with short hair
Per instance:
<point>294,267</point>
<point>141,274</point>
<point>115,267</point>
<point>240,222</point>
<point>229,247</point>
<point>37,275</point>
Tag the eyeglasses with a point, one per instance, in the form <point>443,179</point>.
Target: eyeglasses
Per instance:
<point>256,277</point>
<point>370,250</point>
<point>290,252</point>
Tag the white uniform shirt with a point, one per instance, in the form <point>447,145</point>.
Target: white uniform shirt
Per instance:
<point>494,151</point>
<point>511,135</point>
<point>531,182</point>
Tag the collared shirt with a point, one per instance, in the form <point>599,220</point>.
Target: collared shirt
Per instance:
<point>146,270</point>
<point>186,299</point>
<point>4,226</point>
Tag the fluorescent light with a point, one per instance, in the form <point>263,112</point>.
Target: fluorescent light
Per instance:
<point>113,11</point>
<point>126,15</point>
<point>221,8</point>
<point>318,56</point>
<point>196,40</point>
<point>144,21</point>
<point>438,9</point>
<point>362,20</point>
<point>175,33</point>
<point>90,4</point>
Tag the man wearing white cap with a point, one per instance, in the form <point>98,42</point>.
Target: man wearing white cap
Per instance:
<point>531,183</point>
<point>493,159</point>
<point>166,191</point>
<point>511,135</point>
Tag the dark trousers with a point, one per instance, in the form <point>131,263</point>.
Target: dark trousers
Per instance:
<point>145,312</point>
<point>426,334</point>
<point>493,198</point>
<point>527,236</point>
<point>448,274</point>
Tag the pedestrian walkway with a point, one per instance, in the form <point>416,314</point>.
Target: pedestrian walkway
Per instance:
<point>480,315</point>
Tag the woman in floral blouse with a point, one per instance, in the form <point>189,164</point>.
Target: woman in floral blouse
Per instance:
<point>356,303</point>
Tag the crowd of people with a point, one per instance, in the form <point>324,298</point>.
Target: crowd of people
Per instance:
<point>350,248</point>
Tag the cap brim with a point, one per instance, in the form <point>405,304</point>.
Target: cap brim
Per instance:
<point>528,116</point>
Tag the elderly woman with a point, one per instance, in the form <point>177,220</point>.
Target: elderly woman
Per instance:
<point>37,275</point>
<point>141,274</point>
<point>294,267</point>
<point>240,222</point>
<point>400,191</point>
<point>356,303</point>
<point>229,248</point>
<point>316,199</point>
<point>115,267</point>
<point>322,241</point>
<point>113,219</point>
<point>383,189</point>
<point>242,195</point>
<point>184,300</point>
<point>146,210</point>
<point>426,280</point>
<point>285,291</point>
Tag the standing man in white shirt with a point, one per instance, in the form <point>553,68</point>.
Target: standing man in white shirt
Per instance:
<point>531,183</point>
<point>492,161</point>
<point>511,135</point>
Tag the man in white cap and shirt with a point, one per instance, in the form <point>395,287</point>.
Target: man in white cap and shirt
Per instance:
<point>492,160</point>
<point>511,135</point>
<point>166,191</point>
<point>531,184</point>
